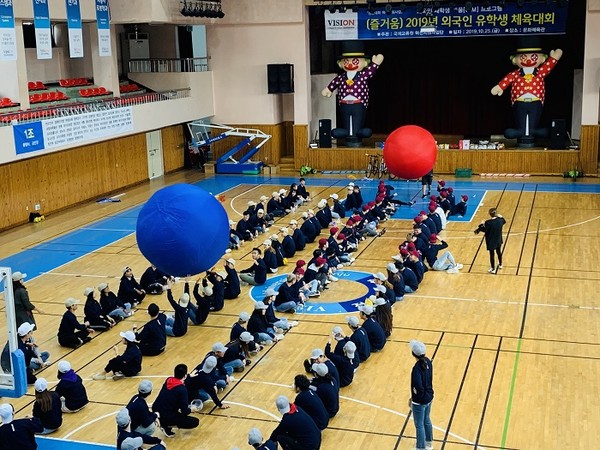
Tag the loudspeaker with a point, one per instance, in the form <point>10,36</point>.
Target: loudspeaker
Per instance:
<point>558,134</point>
<point>325,133</point>
<point>280,78</point>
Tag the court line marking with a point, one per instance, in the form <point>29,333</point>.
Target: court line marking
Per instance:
<point>511,394</point>
<point>505,302</point>
<point>37,436</point>
<point>239,195</point>
<point>372,405</point>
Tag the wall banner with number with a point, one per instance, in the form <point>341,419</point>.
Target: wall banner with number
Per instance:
<point>8,36</point>
<point>43,35</point>
<point>447,21</point>
<point>75,30</point>
<point>103,19</point>
<point>69,130</point>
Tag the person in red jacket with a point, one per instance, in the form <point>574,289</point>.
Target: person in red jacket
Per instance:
<point>528,89</point>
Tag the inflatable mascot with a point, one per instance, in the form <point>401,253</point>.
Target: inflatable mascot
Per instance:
<point>528,89</point>
<point>353,91</point>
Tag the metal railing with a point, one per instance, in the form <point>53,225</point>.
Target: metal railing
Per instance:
<point>168,65</point>
<point>32,115</point>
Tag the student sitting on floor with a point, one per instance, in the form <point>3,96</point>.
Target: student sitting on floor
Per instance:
<point>71,333</point>
<point>460,209</point>
<point>177,324</point>
<point>374,330</point>
<point>112,305</point>
<point>256,274</point>
<point>128,364</point>
<point>201,385</point>
<point>310,402</point>
<point>296,429</point>
<point>297,235</point>
<point>153,337</point>
<point>47,407</point>
<point>256,440</point>
<point>70,388</point>
<point>124,431</point>
<point>327,388</point>
<point>153,280</point>
<point>130,290</point>
<point>143,420</point>
<point>93,312</point>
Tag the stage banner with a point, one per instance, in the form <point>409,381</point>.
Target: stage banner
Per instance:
<point>447,21</point>
<point>69,130</point>
<point>8,37</point>
<point>43,36</point>
<point>103,19</point>
<point>75,31</point>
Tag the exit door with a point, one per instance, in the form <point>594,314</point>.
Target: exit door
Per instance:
<point>155,156</point>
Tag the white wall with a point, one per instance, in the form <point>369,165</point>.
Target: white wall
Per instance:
<point>239,57</point>
<point>322,107</point>
<point>591,66</point>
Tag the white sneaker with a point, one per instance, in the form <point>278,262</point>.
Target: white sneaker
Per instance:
<point>459,266</point>
<point>99,376</point>
<point>428,445</point>
<point>332,278</point>
<point>490,270</point>
<point>274,270</point>
<point>452,270</point>
<point>293,323</point>
<point>499,266</point>
<point>118,376</point>
<point>228,250</point>
<point>352,260</point>
<point>340,266</point>
<point>278,337</point>
<point>231,378</point>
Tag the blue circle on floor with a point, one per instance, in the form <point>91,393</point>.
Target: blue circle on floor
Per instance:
<point>312,305</point>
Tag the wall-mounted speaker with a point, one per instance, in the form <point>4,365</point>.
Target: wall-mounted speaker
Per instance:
<point>280,78</point>
<point>325,133</point>
<point>558,134</point>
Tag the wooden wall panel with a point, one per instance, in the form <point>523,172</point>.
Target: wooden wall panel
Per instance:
<point>288,133</point>
<point>62,179</point>
<point>590,143</point>
<point>300,145</point>
<point>270,153</point>
<point>173,141</point>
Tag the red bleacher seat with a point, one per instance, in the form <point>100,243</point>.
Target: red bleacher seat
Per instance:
<point>40,85</point>
<point>31,85</point>
<point>6,102</point>
<point>102,90</point>
<point>46,96</point>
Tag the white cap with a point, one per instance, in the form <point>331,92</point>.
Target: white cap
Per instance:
<point>244,316</point>
<point>267,242</point>
<point>102,286</point>
<point>41,385</point>
<point>64,366</point>
<point>132,443</point>
<point>417,347</point>
<point>392,268</point>
<point>25,328</point>
<point>70,302</point>
<point>184,299</point>
<point>334,196</point>
<point>380,276</point>
<point>320,369</point>
<point>293,222</point>
<point>230,261</point>
<point>352,321</point>
<point>6,413</point>
<point>254,437</point>
<point>16,276</point>
<point>380,288</point>
<point>260,305</point>
<point>350,349</point>
<point>209,364</point>
<point>366,309</point>
<point>246,337</point>
<point>128,335</point>
<point>283,404</point>
<point>88,291</point>
<point>219,347</point>
<point>264,198</point>
<point>231,222</point>
<point>270,292</point>
<point>316,353</point>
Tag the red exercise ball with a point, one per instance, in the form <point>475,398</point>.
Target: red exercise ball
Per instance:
<point>410,152</point>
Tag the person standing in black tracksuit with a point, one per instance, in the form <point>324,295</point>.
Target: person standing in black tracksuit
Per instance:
<point>421,389</point>
<point>492,228</point>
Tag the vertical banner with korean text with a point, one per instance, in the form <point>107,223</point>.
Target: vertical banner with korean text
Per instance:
<point>75,31</point>
<point>8,37</point>
<point>43,36</point>
<point>103,19</point>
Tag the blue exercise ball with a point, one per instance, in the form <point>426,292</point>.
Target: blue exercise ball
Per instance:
<point>183,230</point>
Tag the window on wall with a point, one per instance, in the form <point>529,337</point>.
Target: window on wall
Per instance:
<point>29,35</point>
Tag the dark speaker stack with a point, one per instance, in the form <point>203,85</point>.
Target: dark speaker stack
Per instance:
<point>558,134</point>
<point>280,78</point>
<point>325,133</point>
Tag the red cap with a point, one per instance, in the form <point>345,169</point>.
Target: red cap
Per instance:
<point>334,230</point>
<point>322,242</point>
<point>411,246</point>
<point>418,219</point>
<point>300,271</point>
<point>320,261</point>
<point>356,218</point>
<point>341,236</point>
<point>365,207</point>
<point>464,198</point>
<point>443,194</point>
<point>349,222</point>
<point>450,189</point>
<point>433,198</point>
<point>422,213</point>
<point>404,252</point>
<point>432,208</point>
<point>415,253</point>
<point>442,183</point>
<point>379,198</point>
<point>433,238</point>
<point>300,263</point>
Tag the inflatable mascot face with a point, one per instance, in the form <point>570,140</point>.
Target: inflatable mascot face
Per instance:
<point>353,63</point>
<point>529,58</point>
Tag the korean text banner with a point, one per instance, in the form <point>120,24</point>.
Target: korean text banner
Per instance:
<point>447,21</point>
<point>43,36</point>
<point>8,37</point>
<point>103,19</point>
<point>75,31</point>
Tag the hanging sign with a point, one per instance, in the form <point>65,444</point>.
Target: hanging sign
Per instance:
<point>43,36</point>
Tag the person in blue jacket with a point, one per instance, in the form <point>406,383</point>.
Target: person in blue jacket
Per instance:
<point>71,333</point>
<point>255,439</point>
<point>421,390</point>
<point>47,407</point>
<point>125,432</point>
<point>375,331</point>
<point>130,290</point>
<point>296,429</point>
<point>256,274</point>
<point>153,336</point>
<point>177,325</point>
<point>232,280</point>
<point>19,433</point>
<point>93,313</point>
<point>143,420</point>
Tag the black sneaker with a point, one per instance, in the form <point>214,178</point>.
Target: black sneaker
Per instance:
<point>168,432</point>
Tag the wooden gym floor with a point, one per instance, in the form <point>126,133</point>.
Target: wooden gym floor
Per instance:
<point>516,355</point>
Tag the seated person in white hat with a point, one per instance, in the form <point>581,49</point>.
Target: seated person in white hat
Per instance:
<point>255,439</point>
<point>337,210</point>
<point>274,206</point>
<point>327,388</point>
<point>128,364</point>
<point>177,324</point>
<point>238,352</point>
<point>18,433</point>
<point>296,430</point>
<point>199,312</point>
<point>200,385</point>
<point>94,315</point>
<point>343,363</point>
<point>297,235</point>
<point>70,388</point>
<point>71,333</point>
<point>232,280</point>
<point>259,327</point>
<point>360,338</point>
<point>309,401</point>
<point>375,331</point>
<point>143,420</point>
<point>235,237</point>
<point>130,290</point>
